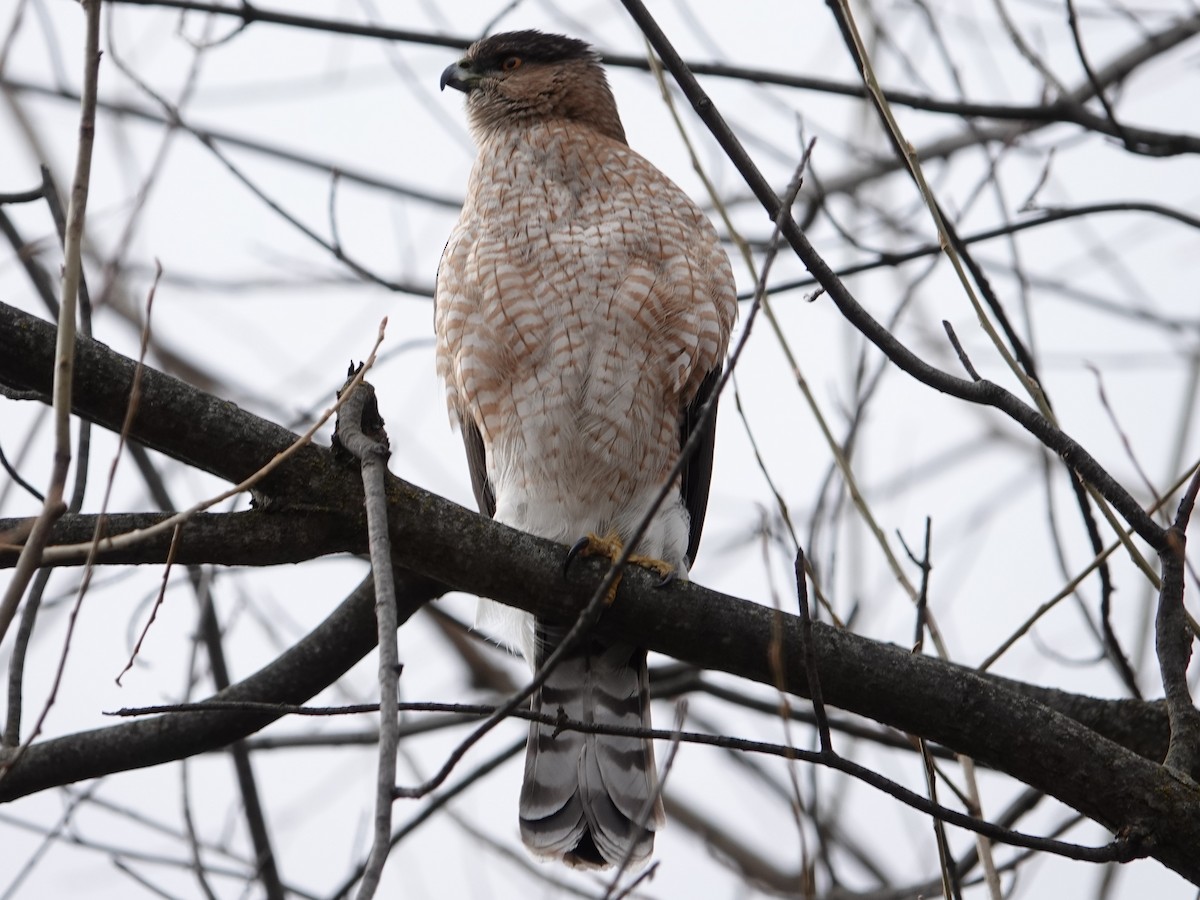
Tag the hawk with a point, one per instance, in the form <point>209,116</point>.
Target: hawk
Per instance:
<point>583,312</point>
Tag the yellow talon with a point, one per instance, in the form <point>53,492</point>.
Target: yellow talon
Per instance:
<point>610,546</point>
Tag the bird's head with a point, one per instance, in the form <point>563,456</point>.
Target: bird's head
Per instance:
<point>520,77</point>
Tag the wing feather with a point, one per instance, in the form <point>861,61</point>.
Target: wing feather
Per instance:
<point>697,470</point>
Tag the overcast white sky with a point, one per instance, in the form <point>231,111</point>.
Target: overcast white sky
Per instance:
<point>275,318</point>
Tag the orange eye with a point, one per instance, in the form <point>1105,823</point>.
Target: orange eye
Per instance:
<point>513,62</point>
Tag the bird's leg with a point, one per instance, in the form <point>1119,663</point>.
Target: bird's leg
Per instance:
<point>611,547</point>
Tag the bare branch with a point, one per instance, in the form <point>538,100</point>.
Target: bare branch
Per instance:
<point>1173,640</point>
<point>360,431</point>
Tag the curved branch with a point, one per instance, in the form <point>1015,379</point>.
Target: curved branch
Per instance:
<point>1046,216</point>
<point>206,432</point>
<point>306,668</point>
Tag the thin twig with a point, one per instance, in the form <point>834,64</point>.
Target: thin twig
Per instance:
<point>139,879</point>
<point>158,600</point>
<point>50,835</point>
<point>950,883</point>
<point>1073,23</point>
<point>958,349</point>
<point>189,825</point>
<point>1047,215</point>
<point>645,875</point>
<point>433,806</point>
<point>18,480</point>
<point>1102,395</point>
<point>16,664</point>
<point>926,565</point>
<point>1023,48</point>
<point>810,657</point>
<point>174,118</point>
<point>65,348</point>
<point>1070,587</point>
<point>949,875</point>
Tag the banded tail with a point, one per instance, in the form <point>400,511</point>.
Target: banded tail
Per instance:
<point>584,794</point>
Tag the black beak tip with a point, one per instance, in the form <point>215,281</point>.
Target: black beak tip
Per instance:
<point>452,76</point>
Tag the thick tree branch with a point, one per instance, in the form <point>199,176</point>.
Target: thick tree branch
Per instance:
<point>997,722</point>
<point>260,537</point>
<point>196,428</point>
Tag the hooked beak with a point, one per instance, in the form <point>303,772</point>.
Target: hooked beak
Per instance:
<point>459,76</point>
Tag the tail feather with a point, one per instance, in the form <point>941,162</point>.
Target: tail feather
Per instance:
<point>584,793</point>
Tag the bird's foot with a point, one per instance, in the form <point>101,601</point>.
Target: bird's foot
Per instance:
<point>610,546</point>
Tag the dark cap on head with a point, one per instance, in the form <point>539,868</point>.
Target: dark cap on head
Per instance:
<point>489,53</point>
<point>532,46</point>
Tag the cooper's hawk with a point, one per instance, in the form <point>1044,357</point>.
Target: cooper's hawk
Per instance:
<point>584,307</point>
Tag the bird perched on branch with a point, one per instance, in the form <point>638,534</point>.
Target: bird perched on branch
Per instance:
<point>583,313</point>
